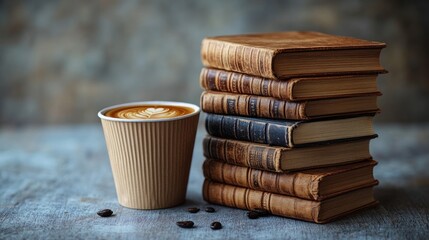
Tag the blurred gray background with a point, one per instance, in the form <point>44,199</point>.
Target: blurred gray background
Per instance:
<point>62,61</point>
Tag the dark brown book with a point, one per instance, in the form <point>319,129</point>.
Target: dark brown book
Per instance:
<point>279,159</point>
<point>287,206</point>
<point>289,54</point>
<point>267,107</point>
<point>316,184</point>
<point>288,133</point>
<point>294,89</point>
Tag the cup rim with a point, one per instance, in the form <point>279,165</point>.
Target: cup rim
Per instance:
<point>160,103</point>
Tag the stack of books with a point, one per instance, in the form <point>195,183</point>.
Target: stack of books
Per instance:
<point>289,118</point>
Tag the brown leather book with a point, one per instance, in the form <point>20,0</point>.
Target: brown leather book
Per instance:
<point>287,206</point>
<point>294,89</point>
<point>289,54</point>
<point>281,159</point>
<point>316,184</point>
<point>267,107</point>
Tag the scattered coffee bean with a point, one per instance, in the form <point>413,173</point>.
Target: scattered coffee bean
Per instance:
<point>216,225</point>
<point>105,213</point>
<point>185,224</point>
<point>252,215</point>
<point>193,209</point>
<point>210,209</point>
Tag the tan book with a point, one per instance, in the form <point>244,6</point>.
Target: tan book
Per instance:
<point>287,206</point>
<point>267,107</point>
<point>283,159</point>
<point>293,89</point>
<point>289,54</point>
<point>316,184</point>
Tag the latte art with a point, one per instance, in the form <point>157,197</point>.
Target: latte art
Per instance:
<point>148,112</point>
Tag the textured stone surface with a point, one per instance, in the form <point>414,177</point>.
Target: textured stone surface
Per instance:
<point>54,180</point>
<point>62,61</point>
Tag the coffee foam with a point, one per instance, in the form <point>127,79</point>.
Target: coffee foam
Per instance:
<point>149,112</point>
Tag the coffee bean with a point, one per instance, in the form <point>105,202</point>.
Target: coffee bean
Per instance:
<point>252,215</point>
<point>210,209</point>
<point>105,213</point>
<point>185,224</point>
<point>193,209</point>
<point>216,225</point>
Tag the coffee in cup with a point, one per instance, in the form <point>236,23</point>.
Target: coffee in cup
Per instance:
<point>149,112</point>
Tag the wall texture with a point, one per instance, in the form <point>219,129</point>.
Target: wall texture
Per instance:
<point>61,61</point>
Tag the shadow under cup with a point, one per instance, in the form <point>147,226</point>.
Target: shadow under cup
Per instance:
<point>150,158</point>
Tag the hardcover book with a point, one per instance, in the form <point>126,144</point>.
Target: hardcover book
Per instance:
<point>294,89</point>
<point>287,206</point>
<point>289,54</point>
<point>316,184</point>
<point>267,107</point>
<point>288,133</point>
<point>279,159</point>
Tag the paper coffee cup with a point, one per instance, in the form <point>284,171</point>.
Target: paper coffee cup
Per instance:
<point>150,158</point>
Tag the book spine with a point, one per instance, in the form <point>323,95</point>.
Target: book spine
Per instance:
<point>243,153</point>
<point>237,58</point>
<point>250,105</point>
<point>300,185</point>
<point>247,130</point>
<point>276,204</point>
<point>224,81</point>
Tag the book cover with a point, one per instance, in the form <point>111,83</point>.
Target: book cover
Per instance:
<point>293,89</point>
<point>287,206</point>
<point>315,184</point>
<point>267,107</point>
<point>288,54</point>
<point>284,133</point>
<point>283,159</point>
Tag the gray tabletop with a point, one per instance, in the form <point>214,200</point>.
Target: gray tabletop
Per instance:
<point>54,179</point>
